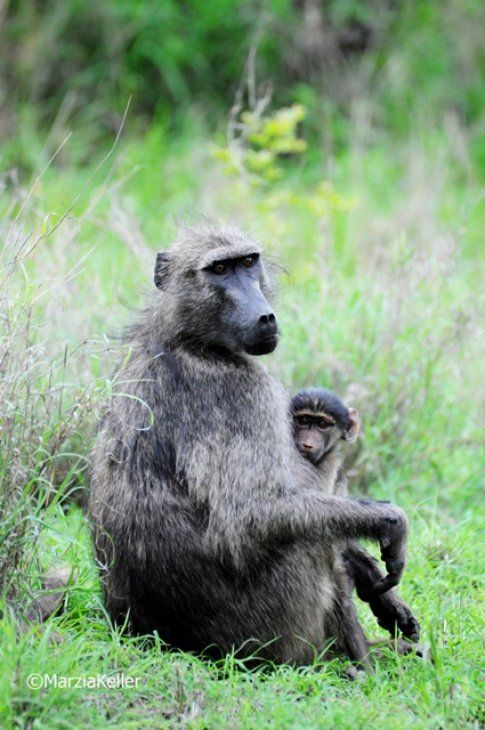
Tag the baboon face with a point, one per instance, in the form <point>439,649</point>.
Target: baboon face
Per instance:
<point>245,315</point>
<point>315,435</point>
<point>222,301</point>
<point>320,421</point>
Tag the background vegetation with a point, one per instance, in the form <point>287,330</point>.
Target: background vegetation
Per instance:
<point>347,136</point>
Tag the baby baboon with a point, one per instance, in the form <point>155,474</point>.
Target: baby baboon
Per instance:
<point>210,526</point>
<point>320,423</point>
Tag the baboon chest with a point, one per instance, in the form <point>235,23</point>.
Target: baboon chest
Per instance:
<point>231,424</point>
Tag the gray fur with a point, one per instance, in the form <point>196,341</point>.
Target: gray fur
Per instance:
<point>211,527</point>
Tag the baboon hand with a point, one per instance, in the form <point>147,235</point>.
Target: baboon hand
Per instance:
<point>392,613</point>
<point>393,537</point>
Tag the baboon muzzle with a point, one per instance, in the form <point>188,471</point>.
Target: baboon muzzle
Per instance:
<point>266,335</point>
<point>255,319</point>
<point>247,321</point>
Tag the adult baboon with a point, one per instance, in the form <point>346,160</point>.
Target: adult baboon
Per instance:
<point>211,527</point>
<point>321,423</point>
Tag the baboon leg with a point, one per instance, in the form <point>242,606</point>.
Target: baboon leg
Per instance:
<point>391,612</point>
<point>351,639</point>
<point>356,645</point>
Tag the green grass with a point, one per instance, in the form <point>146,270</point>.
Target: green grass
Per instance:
<point>180,689</point>
<point>381,302</point>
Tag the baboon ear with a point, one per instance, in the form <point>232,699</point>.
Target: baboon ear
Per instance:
<point>162,269</point>
<point>354,426</point>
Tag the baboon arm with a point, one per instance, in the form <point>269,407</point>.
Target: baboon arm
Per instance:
<point>308,512</point>
<point>341,484</point>
<point>362,569</point>
<point>389,609</point>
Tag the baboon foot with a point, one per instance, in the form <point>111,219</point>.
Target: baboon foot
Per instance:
<point>356,674</point>
<point>400,646</point>
<point>50,601</point>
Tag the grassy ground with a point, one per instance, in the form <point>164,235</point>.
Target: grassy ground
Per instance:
<point>381,302</point>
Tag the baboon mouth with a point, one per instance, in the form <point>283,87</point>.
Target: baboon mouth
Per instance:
<point>263,346</point>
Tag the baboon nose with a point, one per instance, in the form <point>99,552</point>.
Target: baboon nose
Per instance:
<point>267,324</point>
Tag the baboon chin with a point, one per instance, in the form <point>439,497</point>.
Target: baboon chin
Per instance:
<point>211,527</point>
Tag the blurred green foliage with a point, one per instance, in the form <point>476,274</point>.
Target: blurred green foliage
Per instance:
<point>261,140</point>
<point>415,62</point>
<point>166,53</point>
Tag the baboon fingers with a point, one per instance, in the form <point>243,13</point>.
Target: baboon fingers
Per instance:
<point>411,630</point>
<point>385,584</point>
<point>393,615</point>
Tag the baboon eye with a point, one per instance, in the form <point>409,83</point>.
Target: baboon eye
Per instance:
<point>248,261</point>
<point>322,425</point>
<point>219,268</point>
<point>302,420</point>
